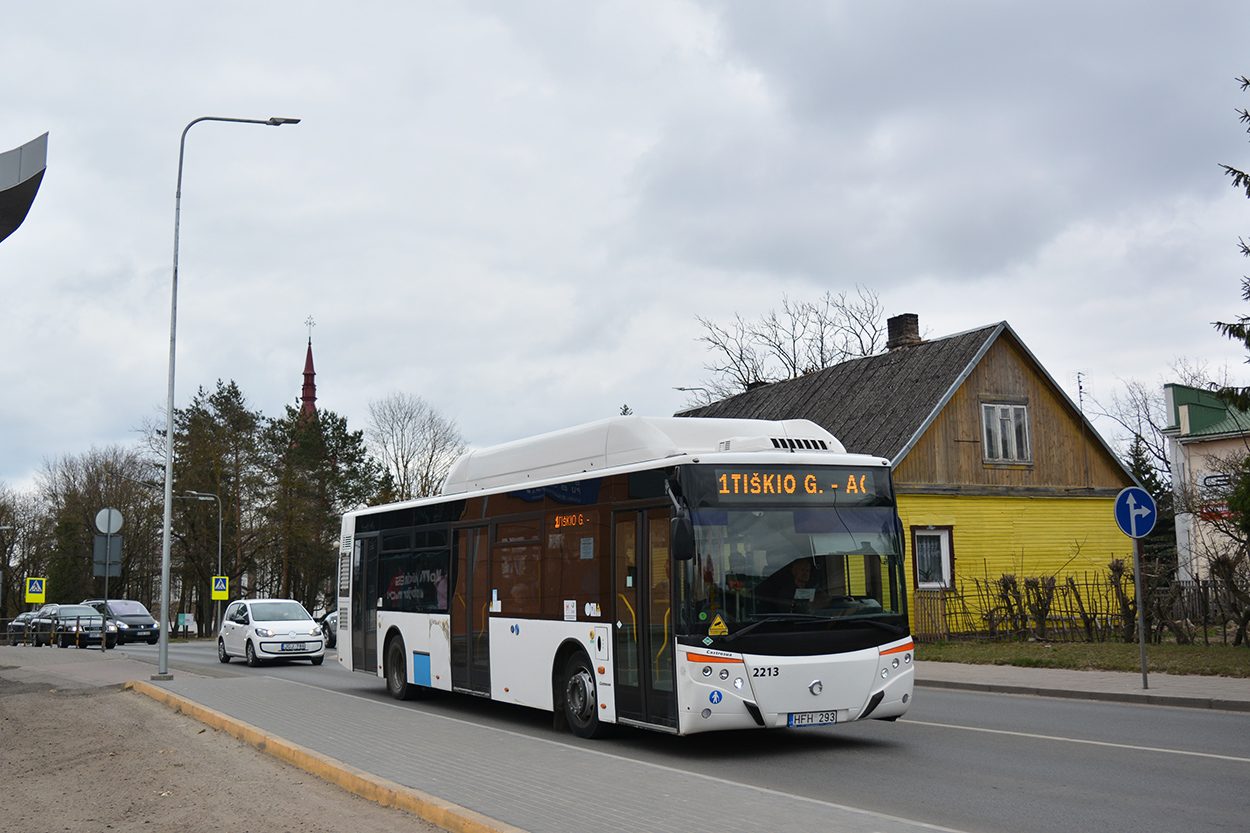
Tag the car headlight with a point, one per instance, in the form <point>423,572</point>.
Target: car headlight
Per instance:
<point>265,632</point>
<point>112,627</point>
<point>119,626</point>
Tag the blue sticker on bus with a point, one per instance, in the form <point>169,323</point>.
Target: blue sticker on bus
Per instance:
<point>421,669</point>
<point>715,697</point>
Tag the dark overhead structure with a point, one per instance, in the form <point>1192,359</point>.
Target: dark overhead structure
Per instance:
<point>21,171</point>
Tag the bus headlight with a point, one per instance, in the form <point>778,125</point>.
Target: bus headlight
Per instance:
<point>707,670</point>
<point>885,672</point>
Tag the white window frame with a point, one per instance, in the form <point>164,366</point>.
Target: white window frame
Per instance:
<point>942,535</point>
<point>1005,433</point>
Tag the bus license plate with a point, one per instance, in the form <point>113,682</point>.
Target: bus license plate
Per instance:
<point>294,646</point>
<point>813,718</point>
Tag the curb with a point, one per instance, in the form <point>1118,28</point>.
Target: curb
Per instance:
<point>435,810</point>
<point>1106,696</point>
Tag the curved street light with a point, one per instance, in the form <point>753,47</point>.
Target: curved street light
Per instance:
<point>162,665</point>
<point>211,496</point>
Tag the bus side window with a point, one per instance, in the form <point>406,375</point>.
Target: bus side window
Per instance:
<point>515,577</point>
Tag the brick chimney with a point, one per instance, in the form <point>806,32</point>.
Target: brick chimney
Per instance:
<point>903,331</point>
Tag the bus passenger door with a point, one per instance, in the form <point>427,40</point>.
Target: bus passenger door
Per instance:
<point>642,602</point>
<point>470,602</point>
<point>365,604</point>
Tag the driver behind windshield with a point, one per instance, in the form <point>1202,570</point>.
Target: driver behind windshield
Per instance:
<point>792,589</point>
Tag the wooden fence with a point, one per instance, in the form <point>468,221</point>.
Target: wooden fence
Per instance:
<point>1086,607</point>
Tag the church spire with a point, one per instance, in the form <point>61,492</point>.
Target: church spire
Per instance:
<point>309,396</point>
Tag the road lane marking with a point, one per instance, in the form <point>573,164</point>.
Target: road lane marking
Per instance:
<point>1079,740</point>
<point>572,747</point>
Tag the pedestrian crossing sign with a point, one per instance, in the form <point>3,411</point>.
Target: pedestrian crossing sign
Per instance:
<point>221,588</point>
<point>35,590</point>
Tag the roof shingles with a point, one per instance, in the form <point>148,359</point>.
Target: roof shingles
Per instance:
<point>873,405</point>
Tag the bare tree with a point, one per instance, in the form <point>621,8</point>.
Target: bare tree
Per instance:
<point>71,490</point>
<point>737,362</point>
<point>415,443</point>
<point>1140,412</point>
<point>24,543</point>
<point>805,336</point>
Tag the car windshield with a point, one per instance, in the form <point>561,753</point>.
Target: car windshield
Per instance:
<point>127,608</point>
<point>74,611</point>
<point>279,612</point>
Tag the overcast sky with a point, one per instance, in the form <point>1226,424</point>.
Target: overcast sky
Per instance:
<point>516,210</point>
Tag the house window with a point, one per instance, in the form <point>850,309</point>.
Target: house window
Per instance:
<point>1005,432</point>
<point>932,546</point>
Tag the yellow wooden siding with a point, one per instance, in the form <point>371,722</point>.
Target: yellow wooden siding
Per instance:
<point>1023,536</point>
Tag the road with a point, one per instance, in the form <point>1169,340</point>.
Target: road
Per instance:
<point>960,760</point>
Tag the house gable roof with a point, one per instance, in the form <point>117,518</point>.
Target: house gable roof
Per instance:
<point>883,404</point>
<point>875,404</point>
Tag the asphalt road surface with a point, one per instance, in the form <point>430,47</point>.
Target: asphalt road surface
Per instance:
<point>961,760</point>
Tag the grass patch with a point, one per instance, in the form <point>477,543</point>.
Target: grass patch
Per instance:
<point>1204,660</point>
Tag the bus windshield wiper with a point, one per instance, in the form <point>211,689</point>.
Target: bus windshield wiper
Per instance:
<point>876,623</point>
<point>774,619</point>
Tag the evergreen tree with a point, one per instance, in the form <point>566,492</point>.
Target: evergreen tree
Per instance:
<point>219,450</point>
<point>1240,329</point>
<point>319,468</point>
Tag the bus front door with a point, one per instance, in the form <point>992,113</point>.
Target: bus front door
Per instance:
<point>470,603</point>
<point>365,604</point>
<point>643,638</point>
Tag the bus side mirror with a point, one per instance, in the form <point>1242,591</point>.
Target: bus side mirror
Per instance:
<point>681,538</point>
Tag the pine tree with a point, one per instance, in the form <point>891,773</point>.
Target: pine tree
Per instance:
<point>1240,329</point>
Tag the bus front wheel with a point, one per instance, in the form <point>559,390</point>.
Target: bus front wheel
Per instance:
<point>397,671</point>
<point>581,700</point>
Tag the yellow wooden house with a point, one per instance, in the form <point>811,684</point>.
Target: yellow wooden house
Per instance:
<point>997,471</point>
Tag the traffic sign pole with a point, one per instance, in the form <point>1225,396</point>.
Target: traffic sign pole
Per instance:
<point>1141,613</point>
<point>1135,514</point>
<point>108,521</point>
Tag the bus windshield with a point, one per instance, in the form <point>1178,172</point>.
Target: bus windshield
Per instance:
<point>803,565</point>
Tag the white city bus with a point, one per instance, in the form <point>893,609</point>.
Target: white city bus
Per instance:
<point>682,575</point>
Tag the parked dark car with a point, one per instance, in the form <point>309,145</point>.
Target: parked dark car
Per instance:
<point>39,625</point>
<point>330,627</point>
<point>18,630</point>
<point>131,618</point>
<point>67,625</point>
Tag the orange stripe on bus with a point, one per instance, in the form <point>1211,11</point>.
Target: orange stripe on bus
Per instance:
<point>708,658</point>
<point>909,646</point>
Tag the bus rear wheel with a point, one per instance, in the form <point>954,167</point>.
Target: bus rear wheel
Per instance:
<point>581,700</point>
<point>397,684</point>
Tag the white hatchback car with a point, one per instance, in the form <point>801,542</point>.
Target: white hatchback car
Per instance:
<point>264,629</point>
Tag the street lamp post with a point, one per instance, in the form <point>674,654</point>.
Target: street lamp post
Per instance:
<point>211,496</point>
<point>162,666</point>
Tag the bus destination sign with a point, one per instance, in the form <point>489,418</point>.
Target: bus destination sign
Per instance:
<point>796,484</point>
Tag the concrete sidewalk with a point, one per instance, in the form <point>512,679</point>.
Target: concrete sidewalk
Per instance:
<point>1226,693</point>
<point>466,776</point>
